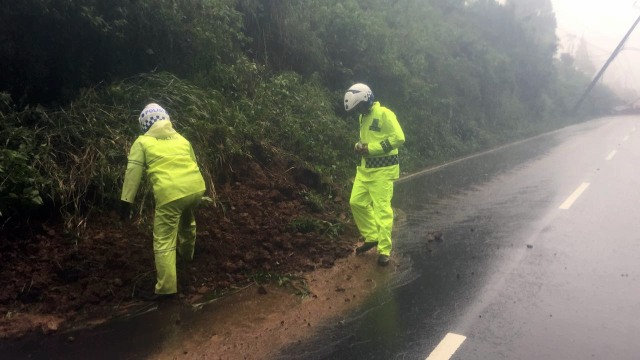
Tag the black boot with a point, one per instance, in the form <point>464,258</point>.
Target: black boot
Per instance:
<point>366,247</point>
<point>383,260</point>
<point>152,296</point>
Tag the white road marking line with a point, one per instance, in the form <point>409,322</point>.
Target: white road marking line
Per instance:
<point>447,347</point>
<point>625,138</point>
<point>611,155</point>
<point>576,194</point>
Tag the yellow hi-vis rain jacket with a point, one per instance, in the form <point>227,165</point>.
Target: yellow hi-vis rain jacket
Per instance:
<point>170,164</point>
<point>373,187</point>
<point>381,131</point>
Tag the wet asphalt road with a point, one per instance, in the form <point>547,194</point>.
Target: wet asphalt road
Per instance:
<point>540,257</point>
<point>515,276</point>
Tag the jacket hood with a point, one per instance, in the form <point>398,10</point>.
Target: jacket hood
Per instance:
<point>161,129</point>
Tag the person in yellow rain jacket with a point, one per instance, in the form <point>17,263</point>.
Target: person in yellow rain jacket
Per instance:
<point>380,137</point>
<point>178,187</point>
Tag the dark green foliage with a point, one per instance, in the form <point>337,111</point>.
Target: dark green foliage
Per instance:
<point>460,76</point>
<point>297,115</point>
<point>51,48</point>
<point>20,182</point>
<point>249,78</point>
<point>75,158</point>
<point>311,225</point>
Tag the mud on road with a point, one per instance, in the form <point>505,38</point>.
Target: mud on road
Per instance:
<point>261,322</point>
<point>262,223</point>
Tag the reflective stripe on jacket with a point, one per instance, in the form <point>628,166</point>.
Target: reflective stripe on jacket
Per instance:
<point>170,164</point>
<point>382,132</point>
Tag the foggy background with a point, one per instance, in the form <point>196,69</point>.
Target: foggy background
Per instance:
<point>590,30</point>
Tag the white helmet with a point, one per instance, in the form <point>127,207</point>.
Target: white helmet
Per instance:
<point>358,93</point>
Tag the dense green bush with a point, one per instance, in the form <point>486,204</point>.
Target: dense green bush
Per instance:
<point>75,157</point>
<point>245,78</point>
<point>52,48</point>
<point>461,76</point>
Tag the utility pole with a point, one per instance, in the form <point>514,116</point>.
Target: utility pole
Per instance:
<point>606,65</point>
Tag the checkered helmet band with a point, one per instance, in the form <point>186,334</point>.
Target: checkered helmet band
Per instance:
<point>151,113</point>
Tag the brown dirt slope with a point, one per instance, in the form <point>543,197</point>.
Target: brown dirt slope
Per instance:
<point>263,223</point>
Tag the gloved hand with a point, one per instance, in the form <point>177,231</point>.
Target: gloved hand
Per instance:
<point>125,211</point>
<point>362,149</point>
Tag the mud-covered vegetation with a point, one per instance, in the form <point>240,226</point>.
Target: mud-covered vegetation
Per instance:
<point>257,87</point>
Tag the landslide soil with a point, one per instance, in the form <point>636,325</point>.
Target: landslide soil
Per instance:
<point>51,281</point>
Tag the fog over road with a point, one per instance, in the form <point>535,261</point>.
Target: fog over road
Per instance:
<point>540,257</point>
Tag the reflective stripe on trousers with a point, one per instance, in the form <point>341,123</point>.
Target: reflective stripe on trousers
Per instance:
<point>371,207</point>
<point>174,228</point>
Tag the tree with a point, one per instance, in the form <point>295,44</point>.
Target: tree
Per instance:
<point>583,60</point>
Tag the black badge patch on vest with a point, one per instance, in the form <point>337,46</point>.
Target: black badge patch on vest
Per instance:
<point>386,145</point>
<point>375,126</point>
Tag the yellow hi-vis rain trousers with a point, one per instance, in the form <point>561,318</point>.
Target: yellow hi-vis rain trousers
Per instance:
<point>174,228</point>
<point>371,207</point>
